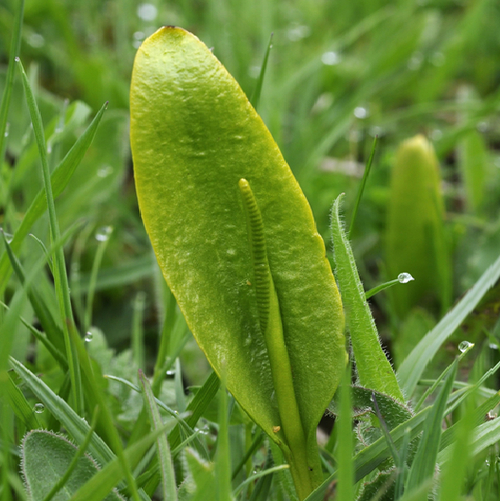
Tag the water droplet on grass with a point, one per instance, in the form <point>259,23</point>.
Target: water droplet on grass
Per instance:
<point>360,112</point>
<point>17,59</point>
<point>88,337</point>
<point>147,11</point>
<point>39,408</point>
<point>330,58</point>
<point>404,278</point>
<point>464,346</point>
<point>105,171</point>
<point>103,233</point>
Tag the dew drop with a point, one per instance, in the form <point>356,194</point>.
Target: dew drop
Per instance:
<point>464,346</point>
<point>105,171</point>
<point>88,337</point>
<point>103,233</point>
<point>330,58</point>
<point>360,112</point>
<point>493,346</point>
<point>147,11</point>
<point>17,59</point>
<point>39,408</point>
<point>170,373</point>
<point>404,278</point>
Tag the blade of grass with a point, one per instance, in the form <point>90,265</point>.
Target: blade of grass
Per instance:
<point>414,365</point>
<point>223,462</point>
<point>254,100</point>
<point>61,278</point>
<point>138,307</point>
<point>252,478</point>
<point>101,249</point>
<point>59,178</point>
<point>106,418</point>
<point>163,450</point>
<point>374,370</point>
<point>345,470</point>
<point>15,46</point>
<point>425,459</point>
<point>403,278</point>
<point>20,406</point>
<point>54,333</point>
<point>441,377</point>
<point>362,187</point>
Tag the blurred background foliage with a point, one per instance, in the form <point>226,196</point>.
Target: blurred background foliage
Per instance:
<point>340,73</point>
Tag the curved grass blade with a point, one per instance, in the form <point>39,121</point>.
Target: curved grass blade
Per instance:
<point>59,179</point>
<point>414,365</point>
<point>163,450</point>
<point>15,46</point>
<point>374,370</point>
<point>424,463</point>
<point>362,188</point>
<point>255,98</point>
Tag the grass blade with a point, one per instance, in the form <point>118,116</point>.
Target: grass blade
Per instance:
<point>59,179</point>
<point>254,100</point>
<point>345,469</point>
<point>362,187</point>
<point>374,370</point>
<point>61,278</point>
<point>414,365</point>
<point>20,406</point>
<point>223,462</point>
<point>15,47</point>
<point>425,459</point>
<point>164,457</point>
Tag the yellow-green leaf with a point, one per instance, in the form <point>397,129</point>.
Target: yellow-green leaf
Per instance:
<point>194,135</point>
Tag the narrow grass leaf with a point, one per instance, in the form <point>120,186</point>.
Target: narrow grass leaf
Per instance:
<point>59,179</point>
<point>449,435</point>
<point>402,279</point>
<point>374,370</point>
<point>260,474</point>
<point>107,478</point>
<point>60,278</point>
<point>197,407</point>
<point>414,365</point>
<point>454,473</point>
<point>255,98</point>
<point>164,457</point>
<point>362,187</point>
<point>20,406</point>
<point>223,461</point>
<point>15,46</point>
<point>76,426</point>
<point>54,333</point>
<point>345,468</point>
<point>425,459</point>
<point>106,418</point>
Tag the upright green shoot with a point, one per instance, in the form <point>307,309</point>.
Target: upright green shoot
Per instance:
<point>60,277</point>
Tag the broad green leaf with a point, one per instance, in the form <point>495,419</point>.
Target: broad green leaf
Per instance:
<point>414,365</point>
<point>45,459</point>
<point>194,136</point>
<point>374,370</point>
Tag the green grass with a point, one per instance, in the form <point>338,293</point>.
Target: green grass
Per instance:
<point>338,74</point>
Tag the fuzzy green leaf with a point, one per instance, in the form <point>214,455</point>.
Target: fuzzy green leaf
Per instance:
<point>374,370</point>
